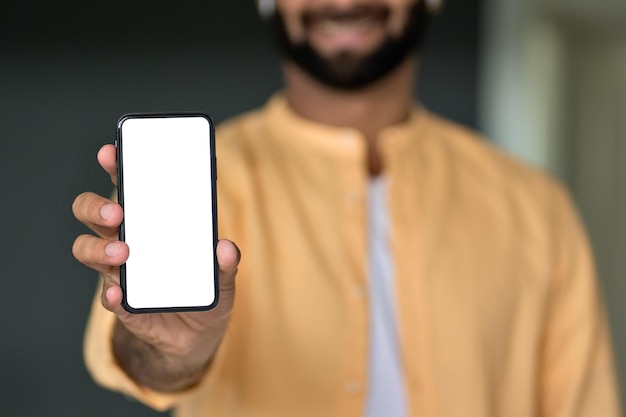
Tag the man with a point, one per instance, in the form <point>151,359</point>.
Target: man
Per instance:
<point>394,264</point>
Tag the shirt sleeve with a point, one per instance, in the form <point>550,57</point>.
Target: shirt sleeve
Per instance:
<point>577,370</point>
<point>105,370</point>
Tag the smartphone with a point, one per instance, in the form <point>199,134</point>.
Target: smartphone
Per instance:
<point>166,183</point>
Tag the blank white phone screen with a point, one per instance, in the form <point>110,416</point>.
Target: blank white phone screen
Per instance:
<point>166,166</point>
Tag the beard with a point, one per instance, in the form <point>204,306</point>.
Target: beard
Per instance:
<point>349,71</point>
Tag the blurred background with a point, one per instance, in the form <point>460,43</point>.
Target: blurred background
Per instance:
<point>544,79</point>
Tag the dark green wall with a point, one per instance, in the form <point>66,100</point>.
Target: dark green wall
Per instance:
<point>68,70</point>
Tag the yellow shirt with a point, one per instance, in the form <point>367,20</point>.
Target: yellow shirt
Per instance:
<point>497,303</point>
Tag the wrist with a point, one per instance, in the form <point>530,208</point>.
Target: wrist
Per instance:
<point>157,369</point>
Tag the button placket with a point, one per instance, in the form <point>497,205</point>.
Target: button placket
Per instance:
<point>354,387</point>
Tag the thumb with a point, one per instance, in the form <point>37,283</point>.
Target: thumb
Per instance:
<point>228,256</point>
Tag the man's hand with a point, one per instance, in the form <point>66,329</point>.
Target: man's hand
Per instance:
<point>166,352</point>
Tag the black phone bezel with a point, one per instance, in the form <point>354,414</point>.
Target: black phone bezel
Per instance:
<point>120,197</point>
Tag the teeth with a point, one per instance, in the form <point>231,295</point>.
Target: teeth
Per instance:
<point>344,26</point>
<point>346,22</point>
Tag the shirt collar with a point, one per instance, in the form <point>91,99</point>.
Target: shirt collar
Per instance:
<point>286,125</point>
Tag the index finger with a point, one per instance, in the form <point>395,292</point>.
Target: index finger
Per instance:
<point>107,158</point>
<point>100,214</point>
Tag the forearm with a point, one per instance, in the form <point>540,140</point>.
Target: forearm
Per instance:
<point>151,368</point>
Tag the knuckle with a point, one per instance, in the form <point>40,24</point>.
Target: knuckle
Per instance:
<point>88,249</point>
<point>93,207</point>
<point>77,204</point>
<point>227,281</point>
<point>83,206</point>
<point>78,245</point>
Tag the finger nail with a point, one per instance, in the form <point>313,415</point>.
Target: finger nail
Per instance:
<point>112,249</point>
<point>109,293</point>
<point>106,210</point>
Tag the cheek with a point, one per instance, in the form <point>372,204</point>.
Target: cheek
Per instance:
<point>400,11</point>
<point>291,11</point>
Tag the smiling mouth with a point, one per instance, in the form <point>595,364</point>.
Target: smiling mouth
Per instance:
<point>334,21</point>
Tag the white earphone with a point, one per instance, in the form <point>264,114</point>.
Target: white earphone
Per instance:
<point>433,3</point>
<point>266,7</point>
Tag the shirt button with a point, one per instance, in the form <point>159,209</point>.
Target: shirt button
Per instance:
<point>359,291</point>
<point>353,197</point>
<point>346,136</point>
<point>353,387</point>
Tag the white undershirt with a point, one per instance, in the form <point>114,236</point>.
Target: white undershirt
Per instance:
<point>386,391</point>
